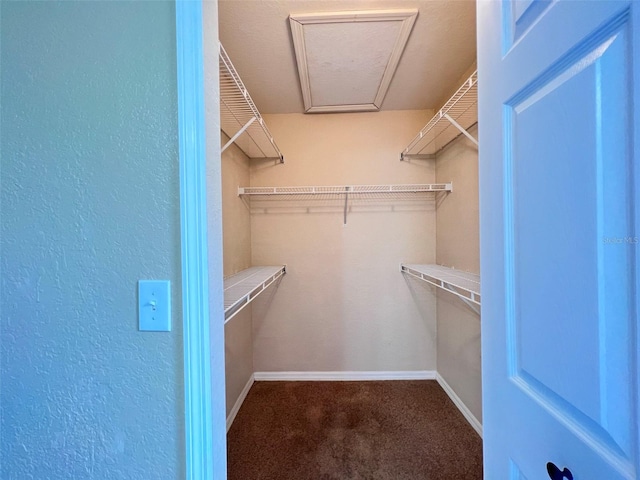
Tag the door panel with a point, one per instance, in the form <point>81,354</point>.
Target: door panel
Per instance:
<point>515,473</point>
<point>519,16</point>
<point>557,165</point>
<point>585,282</point>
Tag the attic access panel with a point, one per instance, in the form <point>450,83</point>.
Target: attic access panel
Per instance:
<point>346,60</point>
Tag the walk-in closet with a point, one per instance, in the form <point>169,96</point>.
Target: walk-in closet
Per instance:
<point>350,238</point>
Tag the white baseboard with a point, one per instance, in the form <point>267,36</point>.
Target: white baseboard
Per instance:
<point>236,407</point>
<point>477,426</point>
<point>345,376</point>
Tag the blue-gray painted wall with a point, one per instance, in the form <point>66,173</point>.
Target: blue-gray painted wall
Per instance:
<point>90,204</point>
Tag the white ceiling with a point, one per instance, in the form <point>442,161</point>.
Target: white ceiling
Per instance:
<point>256,34</point>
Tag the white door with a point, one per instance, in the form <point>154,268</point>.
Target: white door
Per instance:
<point>559,119</point>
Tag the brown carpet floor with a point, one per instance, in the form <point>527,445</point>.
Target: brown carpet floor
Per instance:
<point>393,430</point>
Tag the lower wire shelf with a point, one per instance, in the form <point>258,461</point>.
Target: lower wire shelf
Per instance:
<point>463,284</point>
<point>243,287</point>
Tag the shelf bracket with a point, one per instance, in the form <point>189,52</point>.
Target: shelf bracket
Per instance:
<point>238,133</point>
<point>346,202</point>
<point>472,306</point>
<point>472,302</point>
<point>459,127</point>
<point>406,157</point>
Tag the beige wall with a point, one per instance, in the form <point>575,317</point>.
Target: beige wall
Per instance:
<point>457,243</point>
<point>236,226</point>
<point>343,304</point>
<point>459,351</point>
<point>457,237</point>
<point>236,221</point>
<point>453,88</point>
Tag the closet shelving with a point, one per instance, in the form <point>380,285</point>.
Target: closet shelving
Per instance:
<point>462,284</point>
<point>347,189</point>
<point>453,119</point>
<point>240,120</point>
<point>337,191</point>
<point>243,287</point>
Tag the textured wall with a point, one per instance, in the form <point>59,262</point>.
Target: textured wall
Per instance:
<point>236,221</point>
<point>344,305</point>
<point>457,237</point>
<point>457,246</point>
<point>236,228</point>
<point>90,204</point>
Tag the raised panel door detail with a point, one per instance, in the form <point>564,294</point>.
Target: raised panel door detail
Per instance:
<point>568,198</point>
<point>518,16</point>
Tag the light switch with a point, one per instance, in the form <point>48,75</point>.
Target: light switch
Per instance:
<point>154,305</point>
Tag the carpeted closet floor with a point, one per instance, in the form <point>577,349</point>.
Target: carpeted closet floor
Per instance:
<point>395,430</point>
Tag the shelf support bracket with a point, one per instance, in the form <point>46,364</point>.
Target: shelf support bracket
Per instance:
<point>238,133</point>
<point>346,202</point>
<point>471,305</point>
<point>459,127</point>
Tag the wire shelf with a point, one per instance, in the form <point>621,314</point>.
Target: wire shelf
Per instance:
<point>463,284</point>
<point>346,189</point>
<point>240,120</point>
<point>453,119</point>
<point>243,287</point>
<point>348,192</point>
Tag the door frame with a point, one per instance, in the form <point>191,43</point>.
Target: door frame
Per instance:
<point>205,425</point>
<point>204,399</point>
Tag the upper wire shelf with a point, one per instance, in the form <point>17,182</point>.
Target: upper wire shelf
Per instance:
<point>454,118</point>
<point>240,120</point>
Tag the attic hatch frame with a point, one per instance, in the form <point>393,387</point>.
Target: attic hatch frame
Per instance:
<point>406,17</point>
